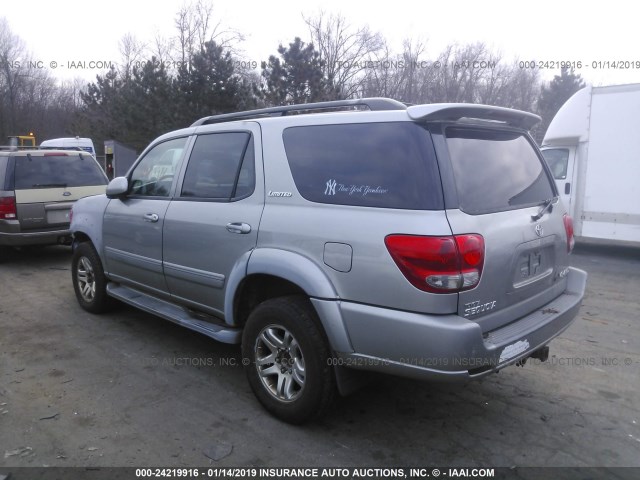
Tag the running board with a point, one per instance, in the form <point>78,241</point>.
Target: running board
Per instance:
<point>173,313</point>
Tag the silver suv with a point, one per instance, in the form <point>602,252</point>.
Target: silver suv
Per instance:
<point>425,241</point>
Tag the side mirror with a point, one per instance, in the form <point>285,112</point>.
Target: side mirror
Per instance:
<point>117,187</point>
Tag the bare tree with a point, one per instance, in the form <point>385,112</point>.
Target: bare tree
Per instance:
<point>162,48</point>
<point>203,11</point>
<point>469,74</point>
<point>346,52</point>
<point>383,79</point>
<point>30,98</point>
<point>462,73</point>
<point>196,26</point>
<point>70,92</point>
<point>523,88</point>
<point>13,72</point>
<point>185,23</point>
<point>410,73</point>
<point>132,51</point>
<point>396,75</point>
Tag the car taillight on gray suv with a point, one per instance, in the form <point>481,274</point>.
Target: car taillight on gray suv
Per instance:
<point>439,264</point>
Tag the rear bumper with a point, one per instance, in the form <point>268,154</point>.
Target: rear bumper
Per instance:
<point>11,236</point>
<point>449,347</point>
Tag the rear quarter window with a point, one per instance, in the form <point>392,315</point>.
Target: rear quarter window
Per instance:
<point>496,170</point>
<point>387,165</point>
<point>3,173</point>
<point>50,171</point>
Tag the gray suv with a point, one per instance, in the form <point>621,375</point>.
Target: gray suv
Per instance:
<point>424,241</point>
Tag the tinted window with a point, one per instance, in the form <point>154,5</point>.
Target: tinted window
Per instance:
<point>247,178</point>
<point>389,165</point>
<point>496,171</point>
<point>557,159</point>
<point>221,166</point>
<point>3,169</point>
<point>153,175</point>
<point>49,171</point>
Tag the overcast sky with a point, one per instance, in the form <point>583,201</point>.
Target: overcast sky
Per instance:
<point>71,30</point>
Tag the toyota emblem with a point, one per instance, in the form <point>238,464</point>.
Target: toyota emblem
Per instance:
<point>539,230</point>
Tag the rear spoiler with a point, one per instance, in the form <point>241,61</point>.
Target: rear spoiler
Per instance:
<point>457,111</point>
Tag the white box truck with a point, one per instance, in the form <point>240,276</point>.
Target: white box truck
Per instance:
<point>74,143</point>
<point>593,149</point>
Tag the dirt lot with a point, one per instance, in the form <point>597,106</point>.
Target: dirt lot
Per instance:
<point>129,389</point>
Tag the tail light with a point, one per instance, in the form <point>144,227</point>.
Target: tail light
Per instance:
<point>439,264</point>
<point>7,208</point>
<point>568,227</point>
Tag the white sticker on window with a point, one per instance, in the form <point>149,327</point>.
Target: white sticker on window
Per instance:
<point>359,190</point>
<point>331,188</point>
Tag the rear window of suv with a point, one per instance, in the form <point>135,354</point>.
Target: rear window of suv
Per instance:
<point>51,171</point>
<point>496,170</point>
<point>387,165</point>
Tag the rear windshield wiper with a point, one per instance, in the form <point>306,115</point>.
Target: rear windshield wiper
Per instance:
<point>546,205</point>
<point>49,185</point>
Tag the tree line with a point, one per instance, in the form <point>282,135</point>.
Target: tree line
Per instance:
<point>199,71</point>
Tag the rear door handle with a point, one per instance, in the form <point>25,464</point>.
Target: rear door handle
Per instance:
<point>151,217</point>
<point>238,227</point>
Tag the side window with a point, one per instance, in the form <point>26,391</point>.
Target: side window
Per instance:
<point>3,168</point>
<point>386,165</point>
<point>247,178</point>
<point>221,166</point>
<point>558,160</point>
<point>153,176</point>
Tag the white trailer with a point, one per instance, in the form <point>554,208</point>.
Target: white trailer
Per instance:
<point>593,149</point>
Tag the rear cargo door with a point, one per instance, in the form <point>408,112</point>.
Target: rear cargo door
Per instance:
<point>47,184</point>
<point>505,193</point>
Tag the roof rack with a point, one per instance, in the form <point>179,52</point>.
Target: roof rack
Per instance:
<point>373,104</point>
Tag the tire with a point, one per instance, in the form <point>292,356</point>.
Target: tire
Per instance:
<point>288,368</point>
<point>89,281</point>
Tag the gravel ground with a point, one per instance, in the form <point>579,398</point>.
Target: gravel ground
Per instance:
<point>129,389</point>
